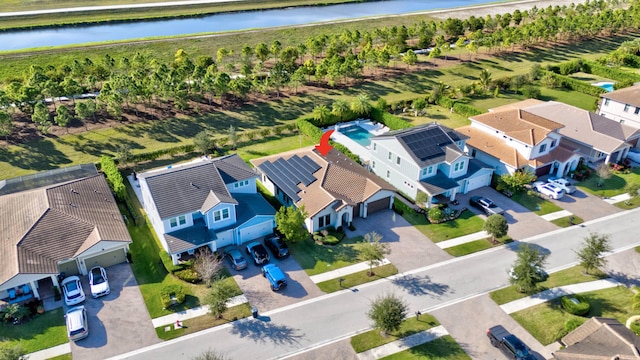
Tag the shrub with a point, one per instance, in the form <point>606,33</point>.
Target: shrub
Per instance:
<point>307,128</point>
<point>398,209</point>
<point>351,227</point>
<point>531,92</point>
<point>330,240</point>
<point>168,291</point>
<point>391,121</point>
<point>188,275</point>
<point>436,215</point>
<point>572,324</point>
<point>114,177</point>
<point>635,327</point>
<point>577,85</point>
<point>580,309</point>
<point>168,263</point>
<point>465,110</point>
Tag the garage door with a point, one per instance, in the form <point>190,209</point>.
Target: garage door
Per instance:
<point>69,268</point>
<point>378,205</point>
<point>107,259</point>
<point>256,231</point>
<point>478,182</point>
<point>543,170</point>
<point>224,238</point>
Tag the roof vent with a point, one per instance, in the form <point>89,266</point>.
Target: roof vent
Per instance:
<point>96,191</point>
<point>106,199</point>
<point>195,186</point>
<point>74,191</point>
<point>72,204</point>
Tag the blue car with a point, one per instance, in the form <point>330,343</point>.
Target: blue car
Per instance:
<point>276,277</point>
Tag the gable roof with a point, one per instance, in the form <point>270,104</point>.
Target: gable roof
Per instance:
<point>43,226</point>
<point>584,126</point>
<point>600,338</point>
<point>629,95</point>
<point>323,182</point>
<point>197,186</point>
<point>428,144</point>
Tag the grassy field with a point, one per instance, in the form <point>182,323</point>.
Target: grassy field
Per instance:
<point>546,321</point>
<point>372,338</point>
<point>359,278</point>
<point>42,332</point>
<point>443,348</point>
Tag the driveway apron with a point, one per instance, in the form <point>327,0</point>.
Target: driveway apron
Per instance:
<point>586,205</point>
<point>118,322</point>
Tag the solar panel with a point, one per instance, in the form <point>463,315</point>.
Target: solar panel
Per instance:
<point>313,166</point>
<point>426,143</point>
<point>281,180</point>
<point>297,165</point>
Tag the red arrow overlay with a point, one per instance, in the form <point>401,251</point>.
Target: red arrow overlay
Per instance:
<point>324,146</point>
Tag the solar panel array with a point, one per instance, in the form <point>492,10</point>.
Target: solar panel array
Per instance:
<point>427,144</point>
<point>287,174</point>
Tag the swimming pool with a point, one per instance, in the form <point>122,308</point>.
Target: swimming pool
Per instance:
<point>605,85</point>
<point>357,134</point>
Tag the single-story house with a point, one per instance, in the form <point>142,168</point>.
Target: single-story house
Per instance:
<point>600,339</point>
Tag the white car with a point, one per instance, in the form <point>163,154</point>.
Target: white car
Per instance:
<point>548,189</point>
<point>563,184</point>
<point>98,282</point>
<point>73,292</point>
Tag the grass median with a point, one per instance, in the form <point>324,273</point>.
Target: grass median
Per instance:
<point>443,348</point>
<point>359,278</point>
<point>412,325</point>
<point>475,246</point>
<point>189,326</point>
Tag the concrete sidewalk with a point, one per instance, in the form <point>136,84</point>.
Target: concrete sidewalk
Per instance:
<point>557,292</point>
<point>617,198</point>
<point>404,343</point>
<point>463,239</point>
<point>351,269</point>
<point>50,352</point>
<point>556,215</point>
<point>194,312</point>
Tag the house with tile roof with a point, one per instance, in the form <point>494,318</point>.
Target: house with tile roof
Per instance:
<point>622,106</point>
<point>208,202</point>
<point>59,221</point>
<point>333,189</point>
<point>427,158</point>
<point>600,339</point>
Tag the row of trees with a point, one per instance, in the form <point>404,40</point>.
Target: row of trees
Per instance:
<point>145,82</point>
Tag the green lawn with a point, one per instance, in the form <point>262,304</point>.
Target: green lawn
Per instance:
<point>580,100</point>
<point>467,223</point>
<point>436,113</point>
<point>545,321</point>
<point>372,338</point>
<point>316,259</point>
<point>42,332</point>
<point>475,246</point>
<point>630,204</point>
<point>534,203</point>
<point>204,322</point>
<point>612,186</point>
<point>568,221</point>
<point>62,357</point>
<point>355,279</point>
<point>572,275</point>
<point>443,348</point>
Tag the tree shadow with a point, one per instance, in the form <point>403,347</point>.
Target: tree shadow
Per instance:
<point>421,285</point>
<point>625,279</point>
<point>264,332</point>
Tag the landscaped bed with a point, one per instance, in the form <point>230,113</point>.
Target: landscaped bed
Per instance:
<point>612,186</point>
<point>568,221</point>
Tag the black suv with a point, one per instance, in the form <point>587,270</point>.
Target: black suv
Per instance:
<point>277,246</point>
<point>486,205</point>
<point>509,344</point>
<point>258,253</point>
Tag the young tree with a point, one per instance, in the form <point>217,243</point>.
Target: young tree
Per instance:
<point>124,154</point>
<point>496,226</point>
<point>8,352</point>
<point>485,79</point>
<point>418,105</point>
<point>515,182</point>
<point>604,172</point>
<point>210,355</point>
<point>591,252</point>
<point>219,294</point>
<point>6,125</point>
<point>410,58</point>
<point>86,109</point>
<point>233,137</point>
<point>203,142</point>
<point>373,251</point>
<point>340,108</point>
<point>63,116</point>
<point>528,268</point>
<point>387,313</point>
<point>40,117</point>
<point>290,223</point>
<point>361,105</point>
<point>208,265</point>
<point>632,189</point>
<point>321,114</point>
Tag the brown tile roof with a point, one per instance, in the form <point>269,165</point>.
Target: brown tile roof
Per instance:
<point>518,124</point>
<point>600,339</point>
<point>630,95</point>
<point>517,105</point>
<point>339,180</point>
<point>47,225</point>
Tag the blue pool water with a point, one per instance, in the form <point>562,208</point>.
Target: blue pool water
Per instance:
<point>605,85</point>
<point>357,134</point>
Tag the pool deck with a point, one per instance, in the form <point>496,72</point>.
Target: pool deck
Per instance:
<point>354,147</point>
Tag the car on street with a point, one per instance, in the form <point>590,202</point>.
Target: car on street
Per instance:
<point>539,273</point>
<point>98,282</point>
<point>563,184</point>
<point>77,325</point>
<point>277,278</point>
<point>258,253</point>
<point>72,290</point>
<point>512,347</point>
<point>548,189</point>
<point>278,247</point>
<point>486,205</point>
<point>236,260</point>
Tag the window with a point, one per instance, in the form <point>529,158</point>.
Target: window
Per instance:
<point>473,153</point>
<point>324,220</point>
<point>219,215</point>
<point>241,183</point>
<point>458,166</point>
<point>173,222</point>
<point>375,146</point>
<point>398,160</point>
<point>180,220</point>
<point>388,173</point>
<point>543,147</point>
<point>553,143</point>
<point>389,156</point>
<point>606,102</point>
<point>373,164</point>
<point>626,107</point>
<point>424,171</point>
<point>430,170</point>
<point>637,111</point>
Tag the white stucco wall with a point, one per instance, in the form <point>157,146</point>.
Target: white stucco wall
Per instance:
<point>615,111</point>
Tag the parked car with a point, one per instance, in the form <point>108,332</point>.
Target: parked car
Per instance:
<point>512,347</point>
<point>98,282</point>
<point>73,292</point>
<point>634,156</point>
<point>540,273</point>
<point>236,260</point>
<point>563,184</point>
<point>258,252</point>
<point>276,277</point>
<point>277,246</point>
<point>548,189</point>
<point>77,324</point>
<point>486,205</point>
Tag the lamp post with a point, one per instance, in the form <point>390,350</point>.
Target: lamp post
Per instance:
<point>341,280</point>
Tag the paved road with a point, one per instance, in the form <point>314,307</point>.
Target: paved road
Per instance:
<point>334,317</point>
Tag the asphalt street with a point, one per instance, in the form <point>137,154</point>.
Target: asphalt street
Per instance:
<point>331,318</point>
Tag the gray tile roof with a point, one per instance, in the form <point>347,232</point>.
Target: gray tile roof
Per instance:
<point>630,95</point>
<point>250,205</point>
<point>438,183</point>
<point>600,338</point>
<point>43,226</point>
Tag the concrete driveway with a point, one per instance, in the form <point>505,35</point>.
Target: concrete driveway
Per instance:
<point>586,205</point>
<point>258,291</point>
<point>523,223</point>
<point>118,322</point>
<point>410,249</point>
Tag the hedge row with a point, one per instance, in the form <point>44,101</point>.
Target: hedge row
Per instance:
<point>458,107</point>
<point>577,85</point>
<point>610,73</point>
<point>152,155</point>
<point>391,121</point>
<point>114,177</point>
<point>312,131</point>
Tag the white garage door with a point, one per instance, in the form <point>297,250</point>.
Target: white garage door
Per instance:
<point>224,238</point>
<point>256,231</point>
<point>478,182</point>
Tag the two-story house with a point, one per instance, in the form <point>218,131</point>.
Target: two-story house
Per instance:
<point>622,106</point>
<point>427,158</point>
<point>209,202</point>
<point>333,189</point>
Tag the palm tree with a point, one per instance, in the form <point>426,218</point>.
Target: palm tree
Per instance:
<point>340,108</point>
<point>361,105</point>
<point>485,79</point>
<point>321,113</point>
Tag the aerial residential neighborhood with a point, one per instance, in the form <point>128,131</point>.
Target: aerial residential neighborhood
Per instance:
<point>436,184</point>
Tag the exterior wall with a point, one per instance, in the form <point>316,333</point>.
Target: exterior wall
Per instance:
<point>280,195</point>
<point>150,208</point>
<point>521,147</point>
<point>247,186</point>
<point>615,111</point>
<point>19,280</point>
<point>499,167</point>
<point>314,220</point>
<point>451,171</point>
<point>166,223</point>
<point>552,139</point>
<point>209,216</point>
<point>403,176</point>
